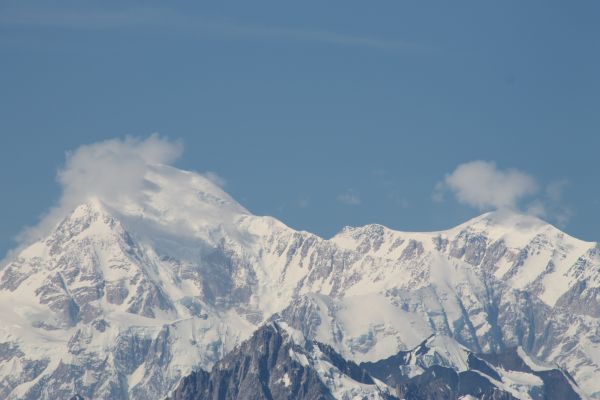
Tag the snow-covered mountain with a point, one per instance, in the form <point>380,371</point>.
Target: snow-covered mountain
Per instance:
<point>124,298</point>
<point>441,368</point>
<point>278,362</point>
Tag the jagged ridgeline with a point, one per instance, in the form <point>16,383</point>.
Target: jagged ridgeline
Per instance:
<point>279,363</point>
<point>122,300</point>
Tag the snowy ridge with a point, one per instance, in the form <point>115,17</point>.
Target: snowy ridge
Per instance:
<point>179,274</point>
<point>460,372</point>
<point>279,362</point>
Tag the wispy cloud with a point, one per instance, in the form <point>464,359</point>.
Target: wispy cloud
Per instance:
<point>350,197</point>
<point>303,202</point>
<point>88,19</point>
<point>155,18</point>
<point>550,205</point>
<point>394,191</point>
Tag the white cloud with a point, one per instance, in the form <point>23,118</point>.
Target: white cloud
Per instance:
<point>350,197</point>
<point>537,208</point>
<point>482,185</point>
<point>108,170</point>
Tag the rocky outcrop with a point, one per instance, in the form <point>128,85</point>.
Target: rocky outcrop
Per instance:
<point>274,365</point>
<point>440,369</point>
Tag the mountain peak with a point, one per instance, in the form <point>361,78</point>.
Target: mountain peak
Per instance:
<point>499,220</point>
<point>91,218</point>
<point>170,203</point>
<point>508,219</point>
<point>166,189</point>
<point>515,228</point>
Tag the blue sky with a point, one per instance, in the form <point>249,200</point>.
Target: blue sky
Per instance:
<point>323,114</point>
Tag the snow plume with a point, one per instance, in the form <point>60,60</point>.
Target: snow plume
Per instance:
<point>215,178</point>
<point>110,170</point>
<point>481,184</point>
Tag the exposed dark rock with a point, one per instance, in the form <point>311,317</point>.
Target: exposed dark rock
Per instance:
<point>447,382</point>
<point>265,367</point>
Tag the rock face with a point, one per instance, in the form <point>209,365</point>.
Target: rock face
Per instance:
<point>440,368</point>
<point>273,364</point>
<point>277,362</point>
<point>121,300</point>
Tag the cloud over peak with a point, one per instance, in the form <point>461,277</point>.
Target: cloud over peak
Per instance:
<point>109,170</point>
<point>113,167</point>
<point>482,185</point>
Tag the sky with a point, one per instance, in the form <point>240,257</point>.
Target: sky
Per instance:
<point>414,115</point>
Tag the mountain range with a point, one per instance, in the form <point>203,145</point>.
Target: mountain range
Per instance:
<point>126,297</point>
<point>278,362</point>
